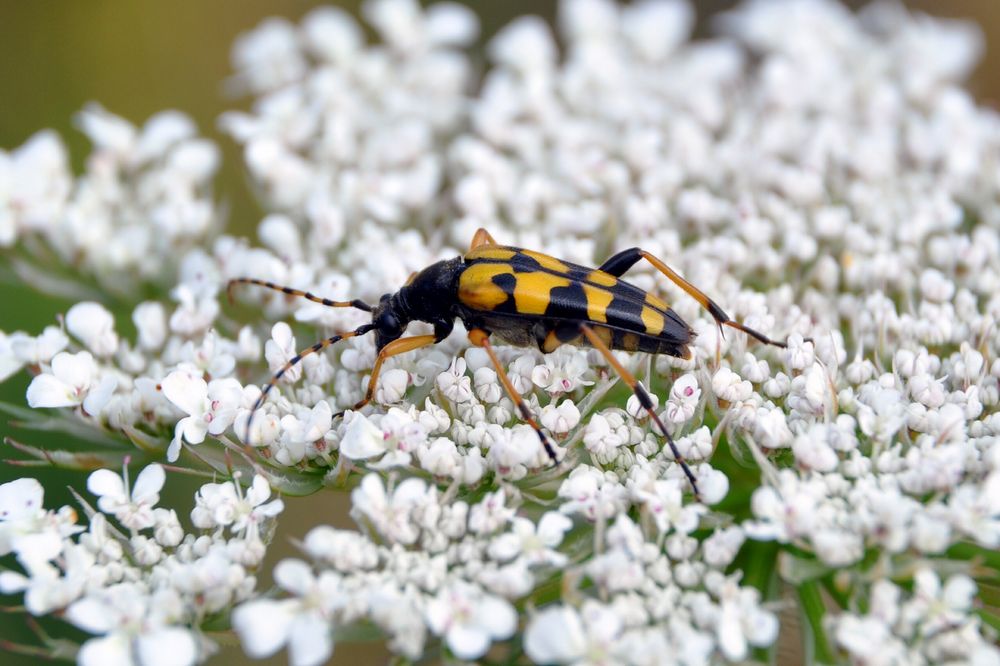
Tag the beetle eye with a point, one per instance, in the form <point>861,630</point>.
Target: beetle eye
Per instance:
<point>388,322</point>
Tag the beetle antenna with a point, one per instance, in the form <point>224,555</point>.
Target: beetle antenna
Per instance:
<point>292,362</point>
<point>309,296</point>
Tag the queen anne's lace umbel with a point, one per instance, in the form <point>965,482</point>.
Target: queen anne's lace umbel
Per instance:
<point>821,174</point>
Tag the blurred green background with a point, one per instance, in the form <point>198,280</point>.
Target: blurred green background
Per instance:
<point>137,57</point>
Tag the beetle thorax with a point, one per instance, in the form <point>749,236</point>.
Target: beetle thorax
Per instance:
<point>430,295</point>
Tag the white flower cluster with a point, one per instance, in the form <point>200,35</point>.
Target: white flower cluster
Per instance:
<point>822,175</point>
<point>426,563</point>
<point>930,625</point>
<point>656,602</point>
<point>144,200</point>
<point>143,586</point>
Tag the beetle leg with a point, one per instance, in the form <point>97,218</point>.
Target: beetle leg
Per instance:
<point>643,397</point>
<point>394,348</point>
<point>359,304</point>
<point>481,338</point>
<point>292,362</point>
<point>621,262</point>
<point>481,238</point>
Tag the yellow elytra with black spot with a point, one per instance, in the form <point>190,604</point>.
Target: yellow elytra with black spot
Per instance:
<point>525,297</point>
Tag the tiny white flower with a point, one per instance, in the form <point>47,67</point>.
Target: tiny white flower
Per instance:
<point>524,44</point>
<point>684,398</point>
<point>697,445</point>
<point>26,528</point>
<point>511,450</point>
<point>280,349</point>
<point>362,439</point>
<point>210,407</point>
<point>490,514</point>
<point>168,530</point>
<point>93,325</point>
<point>563,371</point>
<point>533,544</point>
<point>756,371</point>
<point>799,354</point>
<point>488,387</point>
<point>813,453</point>
<point>454,384</point>
<point>469,619</point>
<point>226,505</point>
<point>41,349</point>
<point>664,502</point>
<point>9,362</point>
<point>132,508</point>
<point>560,420</point>
<point>729,386</point>
<point>304,622</point>
<point>721,548</point>
<point>390,514</point>
<point>132,631</point>
<point>555,635</point>
<point>563,635</point>
<point>441,458</point>
<point>73,381</point>
<point>601,439</point>
<point>635,409</point>
<point>150,319</point>
<point>392,386</point>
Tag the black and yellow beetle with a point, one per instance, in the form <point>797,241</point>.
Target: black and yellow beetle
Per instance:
<point>526,298</point>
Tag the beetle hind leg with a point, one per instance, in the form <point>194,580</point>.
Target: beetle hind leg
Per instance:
<point>626,259</point>
<point>643,397</point>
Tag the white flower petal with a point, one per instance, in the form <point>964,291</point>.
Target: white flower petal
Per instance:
<point>193,428</point>
<point>259,491</point>
<point>555,635</point>
<point>149,483</point>
<point>362,439</point>
<point>19,498</point>
<point>552,527</point>
<point>468,642</point>
<point>170,646</point>
<point>99,396</point>
<point>498,616</point>
<point>310,641</point>
<point>112,650</point>
<point>12,582</point>
<point>295,576</point>
<point>47,391</point>
<point>93,325</point>
<point>91,615</point>
<point>187,391</point>
<point>40,546</point>
<point>174,450</point>
<point>105,483</point>
<point>263,626</point>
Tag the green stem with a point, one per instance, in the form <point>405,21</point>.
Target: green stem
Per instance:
<point>813,610</point>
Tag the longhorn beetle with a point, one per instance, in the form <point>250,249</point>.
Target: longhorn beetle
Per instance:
<point>525,298</point>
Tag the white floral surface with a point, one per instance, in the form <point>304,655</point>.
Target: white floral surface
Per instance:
<point>821,174</point>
